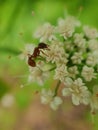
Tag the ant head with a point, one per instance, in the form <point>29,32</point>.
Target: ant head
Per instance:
<point>42,45</point>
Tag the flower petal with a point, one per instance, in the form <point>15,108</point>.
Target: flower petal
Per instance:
<point>66,92</point>
<point>75,100</point>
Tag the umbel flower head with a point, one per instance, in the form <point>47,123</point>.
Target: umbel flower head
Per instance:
<point>70,51</point>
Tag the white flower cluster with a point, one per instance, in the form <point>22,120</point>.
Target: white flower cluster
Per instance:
<point>71,51</point>
<point>48,97</point>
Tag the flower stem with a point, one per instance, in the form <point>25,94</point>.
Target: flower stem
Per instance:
<point>57,87</point>
<point>52,69</point>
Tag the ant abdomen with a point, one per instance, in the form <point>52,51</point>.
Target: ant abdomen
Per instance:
<point>31,62</point>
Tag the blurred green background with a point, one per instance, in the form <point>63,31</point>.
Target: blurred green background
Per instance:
<point>20,108</point>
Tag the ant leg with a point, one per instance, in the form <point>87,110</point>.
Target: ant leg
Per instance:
<point>43,53</point>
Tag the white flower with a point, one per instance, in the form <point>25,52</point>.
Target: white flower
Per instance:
<point>77,58</point>
<point>73,71</point>
<point>91,60</point>
<point>78,91</point>
<point>79,40</point>
<point>68,82</point>
<point>54,104</point>
<point>29,48</point>
<point>62,59</point>
<point>67,27</point>
<point>94,99</point>
<point>38,75</point>
<point>46,96</point>
<point>88,73</point>
<point>90,32</point>
<point>72,55</point>
<point>95,54</point>
<point>45,32</point>
<point>56,53</point>
<point>93,44</point>
<point>68,45</point>
<point>61,72</point>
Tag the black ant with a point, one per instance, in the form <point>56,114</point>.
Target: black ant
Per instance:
<point>31,58</point>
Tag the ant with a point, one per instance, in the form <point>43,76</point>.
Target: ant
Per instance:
<point>36,53</point>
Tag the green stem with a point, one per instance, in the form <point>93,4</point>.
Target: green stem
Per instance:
<point>52,69</point>
<point>57,87</point>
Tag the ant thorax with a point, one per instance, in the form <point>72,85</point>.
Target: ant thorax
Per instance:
<point>36,52</point>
